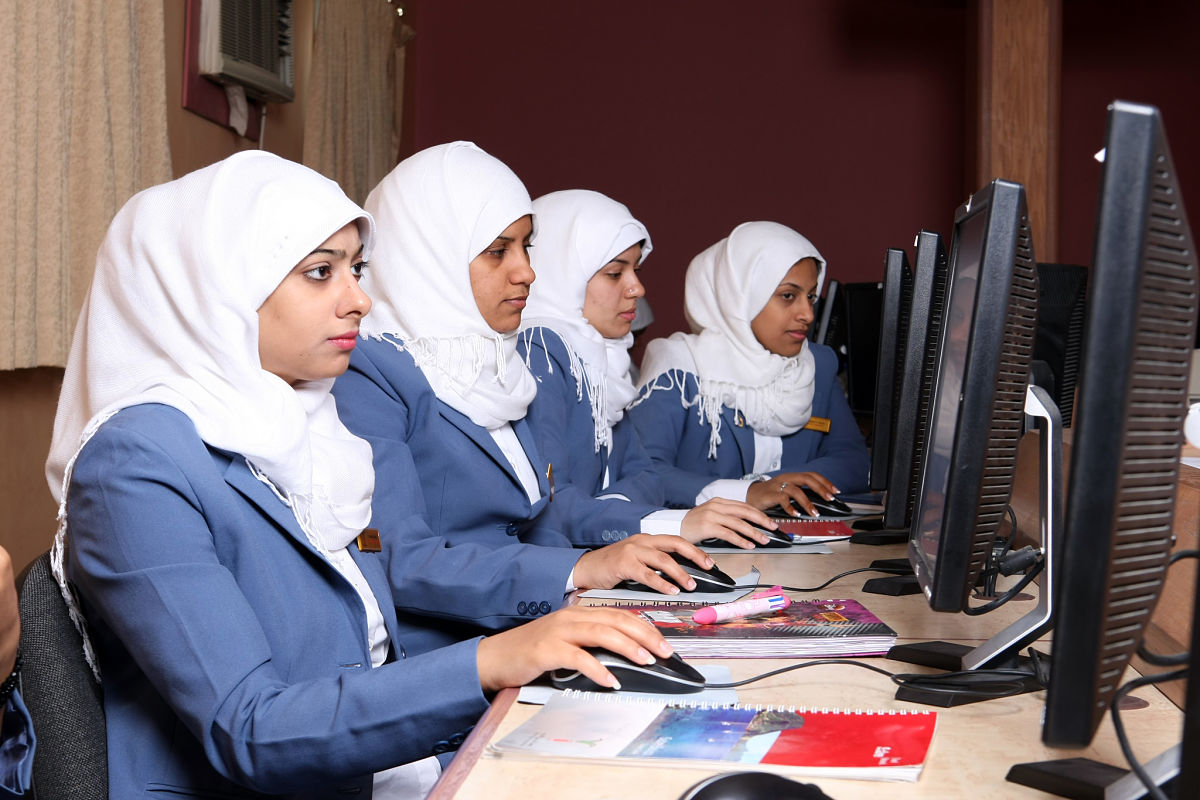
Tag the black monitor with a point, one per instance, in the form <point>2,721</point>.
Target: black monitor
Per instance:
<point>1132,402</point>
<point>889,366</point>
<point>849,323</point>
<point>825,315</point>
<point>977,407</point>
<point>915,382</point>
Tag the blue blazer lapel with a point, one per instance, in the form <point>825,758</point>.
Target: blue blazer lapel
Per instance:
<point>239,476</point>
<point>483,440</point>
<point>743,437</point>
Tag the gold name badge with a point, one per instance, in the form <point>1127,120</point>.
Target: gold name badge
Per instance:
<point>821,424</point>
<point>368,541</point>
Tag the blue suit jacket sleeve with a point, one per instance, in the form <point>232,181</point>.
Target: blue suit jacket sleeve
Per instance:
<point>227,643</point>
<point>17,745</point>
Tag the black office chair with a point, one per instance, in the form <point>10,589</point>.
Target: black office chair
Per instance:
<point>64,700</point>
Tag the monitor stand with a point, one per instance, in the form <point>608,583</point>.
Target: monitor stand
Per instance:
<point>1003,649</point>
<point>1083,777</point>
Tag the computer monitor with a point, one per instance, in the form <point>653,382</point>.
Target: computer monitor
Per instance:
<point>889,366</point>
<point>921,342</point>
<point>849,323</point>
<point>825,315</point>
<point>978,401</point>
<point>1141,325</point>
<point>1130,411</point>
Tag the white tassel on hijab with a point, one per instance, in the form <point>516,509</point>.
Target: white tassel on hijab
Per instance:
<point>436,211</point>
<point>172,317</point>
<point>579,231</point>
<point>727,285</point>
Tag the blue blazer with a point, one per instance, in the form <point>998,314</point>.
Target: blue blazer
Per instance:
<point>470,491</point>
<point>17,744</point>
<point>561,420</point>
<point>234,656</point>
<point>676,438</point>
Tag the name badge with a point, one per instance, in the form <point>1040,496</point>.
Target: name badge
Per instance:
<point>821,424</point>
<point>368,541</point>
<point>550,481</point>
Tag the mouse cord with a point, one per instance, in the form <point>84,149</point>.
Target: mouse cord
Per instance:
<point>831,580</point>
<point>984,684</point>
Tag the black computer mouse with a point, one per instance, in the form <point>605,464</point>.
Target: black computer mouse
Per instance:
<point>753,786</point>
<point>666,676</point>
<point>823,507</point>
<point>707,580</point>
<point>775,540</point>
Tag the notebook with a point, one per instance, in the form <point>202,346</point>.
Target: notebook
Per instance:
<point>835,743</point>
<point>806,628</point>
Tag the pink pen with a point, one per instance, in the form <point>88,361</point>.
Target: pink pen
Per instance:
<point>741,608</point>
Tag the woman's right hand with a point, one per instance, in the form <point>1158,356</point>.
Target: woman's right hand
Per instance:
<point>789,486</point>
<point>730,520</point>
<point>517,656</point>
<point>640,558</point>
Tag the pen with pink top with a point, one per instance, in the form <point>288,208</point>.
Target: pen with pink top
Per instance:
<point>741,608</point>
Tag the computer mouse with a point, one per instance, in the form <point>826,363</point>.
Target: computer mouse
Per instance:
<point>823,507</point>
<point>753,786</point>
<point>707,580</point>
<point>666,676</point>
<point>775,540</point>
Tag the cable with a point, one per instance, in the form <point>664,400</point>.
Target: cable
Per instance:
<point>1009,595</point>
<point>1152,789</point>
<point>983,684</point>
<point>1172,659</point>
<point>885,570</point>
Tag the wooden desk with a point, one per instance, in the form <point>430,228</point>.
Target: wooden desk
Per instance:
<point>972,750</point>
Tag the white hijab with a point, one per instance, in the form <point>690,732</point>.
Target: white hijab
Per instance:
<point>579,231</point>
<point>436,211</point>
<point>727,285</point>
<point>171,317</point>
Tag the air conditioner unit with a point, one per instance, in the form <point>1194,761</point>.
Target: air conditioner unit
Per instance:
<point>248,42</point>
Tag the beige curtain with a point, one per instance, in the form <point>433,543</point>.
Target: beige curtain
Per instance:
<point>84,128</point>
<point>350,112</point>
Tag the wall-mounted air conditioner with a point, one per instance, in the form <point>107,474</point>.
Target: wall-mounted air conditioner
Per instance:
<point>249,43</point>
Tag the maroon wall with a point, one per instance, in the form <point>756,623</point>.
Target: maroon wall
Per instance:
<point>1143,52</point>
<point>841,118</point>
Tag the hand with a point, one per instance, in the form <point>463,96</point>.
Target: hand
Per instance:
<point>636,558</point>
<point>517,656</point>
<point>10,618</point>
<point>789,486</point>
<point>726,519</point>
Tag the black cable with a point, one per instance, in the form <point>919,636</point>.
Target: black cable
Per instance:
<point>983,684</point>
<point>1033,572</point>
<point>1172,659</point>
<point>1151,788</point>
<point>885,570</point>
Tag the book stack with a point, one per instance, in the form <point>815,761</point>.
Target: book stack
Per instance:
<point>805,629</point>
<point>620,729</point>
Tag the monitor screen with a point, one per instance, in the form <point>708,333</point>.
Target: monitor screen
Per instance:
<point>978,396</point>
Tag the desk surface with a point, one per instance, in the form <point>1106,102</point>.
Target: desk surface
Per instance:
<point>972,749</point>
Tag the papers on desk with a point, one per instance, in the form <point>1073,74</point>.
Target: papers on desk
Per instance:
<point>620,729</point>
<point>539,693</point>
<point>745,584</point>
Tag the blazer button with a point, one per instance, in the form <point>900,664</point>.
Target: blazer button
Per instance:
<point>522,607</point>
<point>457,739</point>
<point>532,607</point>
<point>544,607</point>
<point>442,747</point>
<point>512,529</point>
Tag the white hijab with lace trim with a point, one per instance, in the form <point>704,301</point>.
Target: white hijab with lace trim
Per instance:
<point>727,285</point>
<point>436,211</point>
<point>171,317</point>
<point>580,231</point>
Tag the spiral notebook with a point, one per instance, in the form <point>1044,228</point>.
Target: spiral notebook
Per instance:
<point>805,629</point>
<point>590,727</point>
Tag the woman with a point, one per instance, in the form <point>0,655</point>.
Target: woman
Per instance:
<point>746,407</point>
<point>576,339</point>
<point>437,381</point>
<point>213,510</point>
